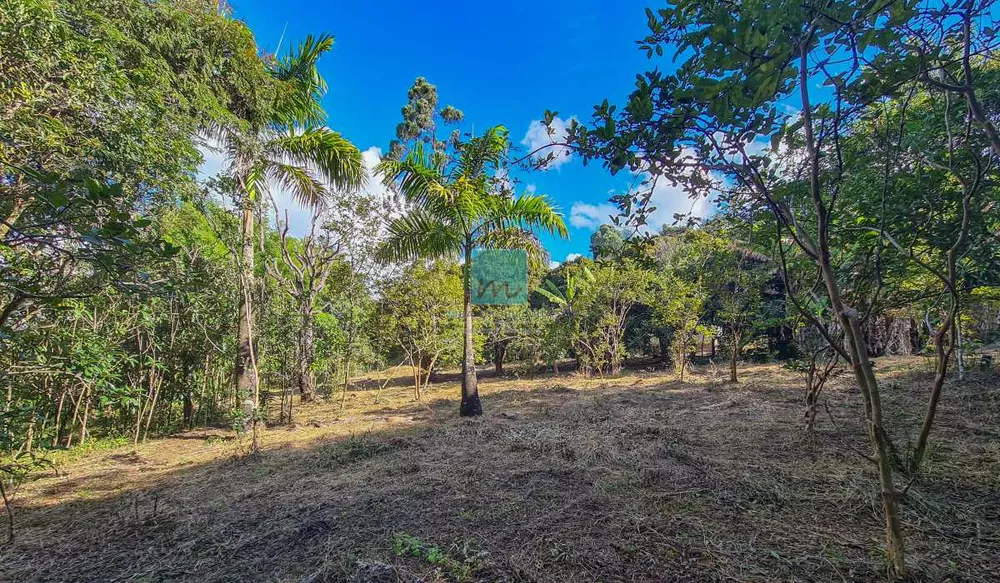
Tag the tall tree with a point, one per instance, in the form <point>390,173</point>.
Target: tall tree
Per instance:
<point>308,264</point>
<point>75,161</point>
<point>295,152</point>
<point>419,125</point>
<point>419,311</point>
<point>456,209</point>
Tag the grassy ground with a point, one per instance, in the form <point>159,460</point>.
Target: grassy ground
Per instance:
<point>638,478</point>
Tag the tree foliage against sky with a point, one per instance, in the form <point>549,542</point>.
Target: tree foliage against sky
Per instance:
<point>849,153</point>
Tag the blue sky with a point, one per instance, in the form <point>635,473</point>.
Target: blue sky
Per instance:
<point>500,63</point>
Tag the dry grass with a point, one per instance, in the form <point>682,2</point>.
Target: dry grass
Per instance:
<point>638,478</point>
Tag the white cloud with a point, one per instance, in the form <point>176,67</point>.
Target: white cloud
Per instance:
<point>531,188</point>
<point>572,257</point>
<point>213,160</point>
<point>584,215</point>
<point>672,199</point>
<point>374,188</point>
<point>538,136</point>
<point>667,198</point>
<point>554,264</point>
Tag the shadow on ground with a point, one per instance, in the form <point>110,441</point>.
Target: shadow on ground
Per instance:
<point>630,481</point>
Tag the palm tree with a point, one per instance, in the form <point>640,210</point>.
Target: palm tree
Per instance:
<point>565,299</point>
<point>568,300</point>
<point>294,152</point>
<point>455,209</point>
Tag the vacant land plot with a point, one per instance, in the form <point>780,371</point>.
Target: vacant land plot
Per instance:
<point>638,478</point>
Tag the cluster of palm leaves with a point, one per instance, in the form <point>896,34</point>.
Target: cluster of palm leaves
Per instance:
<point>455,208</point>
<point>292,151</point>
<point>565,299</point>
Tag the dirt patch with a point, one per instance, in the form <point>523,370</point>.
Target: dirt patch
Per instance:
<point>633,479</point>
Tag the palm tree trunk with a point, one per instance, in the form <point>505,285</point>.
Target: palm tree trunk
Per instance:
<point>246,379</point>
<point>471,406</point>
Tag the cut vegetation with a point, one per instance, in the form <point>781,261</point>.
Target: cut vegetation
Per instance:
<point>639,478</point>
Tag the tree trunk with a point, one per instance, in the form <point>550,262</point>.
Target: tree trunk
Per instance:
<point>76,413</point>
<point>499,351</point>
<point>59,420</point>
<point>959,351</point>
<point>680,360</point>
<point>664,343</point>
<point>471,406</point>
<point>29,441</point>
<point>188,405</point>
<point>415,371</point>
<point>156,381</point>
<point>949,327</point>
<point>734,357</point>
<point>853,335</point>
<point>307,379</point>
<point>976,108</point>
<point>86,415</point>
<point>188,410</point>
<point>940,373</point>
<point>869,389</point>
<point>816,378</point>
<point>244,373</point>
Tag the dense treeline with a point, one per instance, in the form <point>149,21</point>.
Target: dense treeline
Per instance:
<point>128,285</point>
<point>138,297</point>
<point>860,142</point>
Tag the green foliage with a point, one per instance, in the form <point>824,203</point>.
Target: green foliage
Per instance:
<point>460,568</point>
<point>419,123</point>
<point>421,311</point>
<point>607,242</point>
<point>74,161</point>
<point>595,305</point>
<point>118,285</point>
<point>519,331</point>
<point>455,208</point>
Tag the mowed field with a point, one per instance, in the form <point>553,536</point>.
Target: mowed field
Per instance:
<point>637,478</point>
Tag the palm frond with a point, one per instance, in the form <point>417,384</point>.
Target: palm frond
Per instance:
<point>528,211</point>
<point>321,150</point>
<point>510,238</point>
<point>254,181</point>
<point>481,152</point>
<point>415,176</point>
<point>418,234</point>
<point>300,62</point>
<point>301,87</point>
<point>517,238</point>
<point>556,298</point>
<point>298,182</point>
